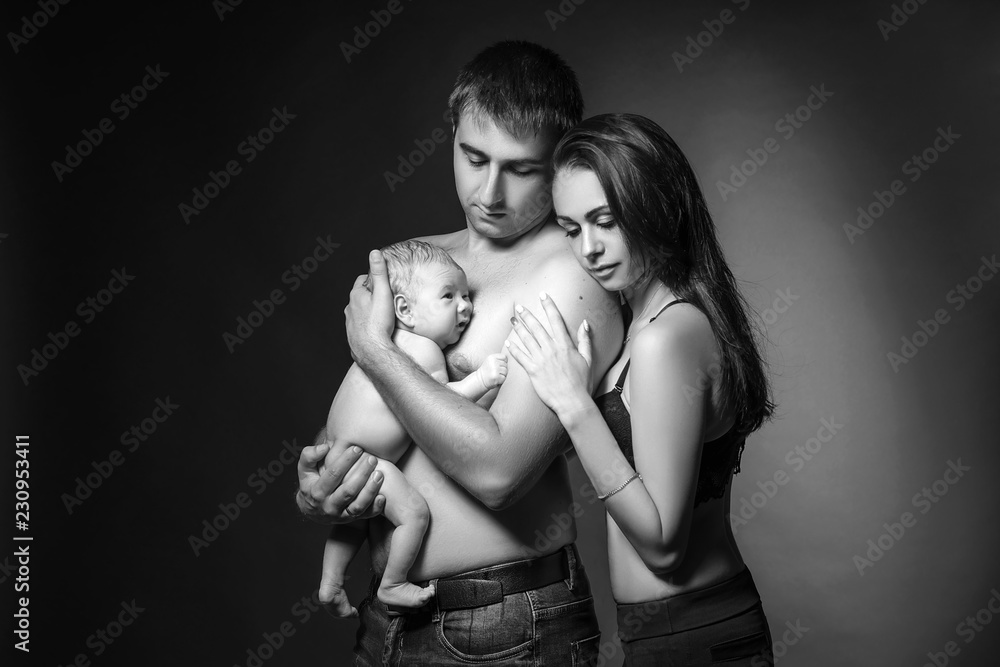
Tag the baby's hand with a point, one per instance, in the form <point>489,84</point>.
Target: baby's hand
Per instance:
<point>493,371</point>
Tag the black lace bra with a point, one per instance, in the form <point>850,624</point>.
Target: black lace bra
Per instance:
<point>720,458</point>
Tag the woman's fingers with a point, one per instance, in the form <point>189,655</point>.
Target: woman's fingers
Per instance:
<point>533,328</point>
<point>584,345</point>
<point>518,354</point>
<point>556,323</point>
<point>525,337</point>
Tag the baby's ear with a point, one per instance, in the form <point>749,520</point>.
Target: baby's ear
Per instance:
<point>403,311</point>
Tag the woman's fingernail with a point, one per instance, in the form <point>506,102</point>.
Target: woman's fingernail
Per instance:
<point>543,296</point>
<point>356,449</point>
<point>376,476</point>
<point>518,308</point>
<point>513,321</point>
<point>372,460</point>
<point>506,343</point>
<point>586,325</point>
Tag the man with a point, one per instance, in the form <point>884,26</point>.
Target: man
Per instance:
<point>492,473</point>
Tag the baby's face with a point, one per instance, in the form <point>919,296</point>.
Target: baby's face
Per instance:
<point>441,307</point>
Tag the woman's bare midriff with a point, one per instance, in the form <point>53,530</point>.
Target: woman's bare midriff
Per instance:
<point>711,558</point>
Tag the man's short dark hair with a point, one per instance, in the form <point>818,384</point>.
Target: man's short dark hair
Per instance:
<point>523,87</point>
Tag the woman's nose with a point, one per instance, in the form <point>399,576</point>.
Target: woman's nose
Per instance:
<point>590,245</point>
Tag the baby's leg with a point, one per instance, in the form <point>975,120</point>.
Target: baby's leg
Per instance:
<point>341,547</point>
<point>407,510</point>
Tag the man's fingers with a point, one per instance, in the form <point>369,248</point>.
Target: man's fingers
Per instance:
<point>360,281</point>
<point>335,474</point>
<point>353,483</point>
<point>363,506</point>
<point>312,455</point>
<point>379,275</point>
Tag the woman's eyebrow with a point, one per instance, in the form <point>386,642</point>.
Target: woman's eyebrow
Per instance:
<point>589,215</point>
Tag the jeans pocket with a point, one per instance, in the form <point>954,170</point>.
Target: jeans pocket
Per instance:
<point>492,632</point>
<point>742,648</point>
<point>585,653</point>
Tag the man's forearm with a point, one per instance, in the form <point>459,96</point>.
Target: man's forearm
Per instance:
<point>457,434</point>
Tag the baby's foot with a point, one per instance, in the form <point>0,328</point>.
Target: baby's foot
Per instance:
<point>404,594</point>
<point>334,600</point>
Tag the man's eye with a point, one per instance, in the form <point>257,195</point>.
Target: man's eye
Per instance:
<point>522,172</point>
<point>475,163</point>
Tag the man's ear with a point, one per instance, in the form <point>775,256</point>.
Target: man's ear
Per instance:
<point>403,311</point>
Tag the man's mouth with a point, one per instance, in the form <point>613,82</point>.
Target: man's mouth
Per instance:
<point>489,214</point>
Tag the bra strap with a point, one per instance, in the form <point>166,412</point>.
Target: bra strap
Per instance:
<point>667,306</point>
<point>620,385</point>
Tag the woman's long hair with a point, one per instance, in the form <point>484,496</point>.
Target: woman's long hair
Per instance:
<point>656,200</point>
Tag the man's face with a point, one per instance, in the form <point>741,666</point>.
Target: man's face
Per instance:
<point>440,307</point>
<point>503,182</point>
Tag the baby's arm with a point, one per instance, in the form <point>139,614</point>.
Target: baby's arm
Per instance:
<point>429,356</point>
<point>491,374</point>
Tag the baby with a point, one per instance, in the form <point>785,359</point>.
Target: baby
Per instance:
<point>431,300</point>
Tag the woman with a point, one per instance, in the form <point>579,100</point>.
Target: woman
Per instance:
<point>664,436</point>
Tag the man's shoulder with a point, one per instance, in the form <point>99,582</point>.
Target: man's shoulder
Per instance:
<point>447,241</point>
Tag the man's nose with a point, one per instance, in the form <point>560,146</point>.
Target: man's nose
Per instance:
<point>491,191</point>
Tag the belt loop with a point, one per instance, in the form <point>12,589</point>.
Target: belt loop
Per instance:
<point>570,550</point>
<point>435,612</point>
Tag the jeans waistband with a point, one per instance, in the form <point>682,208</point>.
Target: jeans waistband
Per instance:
<point>688,611</point>
<point>489,585</point>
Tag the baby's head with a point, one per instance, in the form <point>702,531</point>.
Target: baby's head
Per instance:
<point>430,291</point>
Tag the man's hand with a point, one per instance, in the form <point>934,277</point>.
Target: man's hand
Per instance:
<point>346,491</point>
<point>370,314</point>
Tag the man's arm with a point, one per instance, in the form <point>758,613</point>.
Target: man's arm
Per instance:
<point>498,454</point>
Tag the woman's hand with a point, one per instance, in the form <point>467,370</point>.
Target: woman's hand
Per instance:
<point>560,370</point>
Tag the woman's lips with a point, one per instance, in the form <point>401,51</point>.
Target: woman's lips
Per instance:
<point>603,271</point>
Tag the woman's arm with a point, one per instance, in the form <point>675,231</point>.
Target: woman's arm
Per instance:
<point>654,513</point>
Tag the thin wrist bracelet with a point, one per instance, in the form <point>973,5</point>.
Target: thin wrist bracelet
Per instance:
<point>623,485</point>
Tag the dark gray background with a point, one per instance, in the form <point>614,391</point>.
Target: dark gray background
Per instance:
<point>850,302</point>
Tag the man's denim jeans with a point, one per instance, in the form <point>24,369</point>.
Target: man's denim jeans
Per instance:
<point>552,625</point>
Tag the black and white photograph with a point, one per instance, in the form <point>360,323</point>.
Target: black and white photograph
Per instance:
<point>401,333</point>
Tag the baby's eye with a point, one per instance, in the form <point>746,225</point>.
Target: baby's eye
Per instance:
<point>448,295</point>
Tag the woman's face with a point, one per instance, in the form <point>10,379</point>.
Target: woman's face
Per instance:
<point>595,236</point>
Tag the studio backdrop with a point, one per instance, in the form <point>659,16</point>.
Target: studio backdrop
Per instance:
<point>190,190</point>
